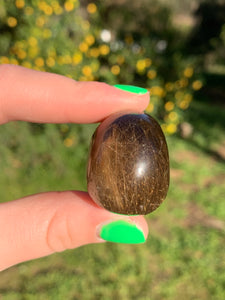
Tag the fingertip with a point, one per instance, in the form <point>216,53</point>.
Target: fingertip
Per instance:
<point>125,230</point>
<point>141,222</point>
<point>137,96</point>
<point>104,100</point>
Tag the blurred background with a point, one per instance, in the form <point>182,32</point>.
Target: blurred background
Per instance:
<point>176,49</point>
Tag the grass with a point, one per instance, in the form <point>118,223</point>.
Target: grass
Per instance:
<point>183,257</point>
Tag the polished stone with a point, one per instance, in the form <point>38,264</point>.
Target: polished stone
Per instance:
<point>128,167</point>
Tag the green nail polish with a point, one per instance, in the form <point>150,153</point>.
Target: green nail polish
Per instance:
<point>122,232</point>
<point>131,89</point>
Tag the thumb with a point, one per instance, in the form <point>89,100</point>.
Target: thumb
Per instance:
<point>41,224</point>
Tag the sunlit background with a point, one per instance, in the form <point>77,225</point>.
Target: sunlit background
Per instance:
<point>175,49</point>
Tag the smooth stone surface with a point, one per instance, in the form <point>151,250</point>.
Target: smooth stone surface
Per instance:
<point>128,167</point>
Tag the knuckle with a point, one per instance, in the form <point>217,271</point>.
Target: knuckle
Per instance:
<point>59,235</point>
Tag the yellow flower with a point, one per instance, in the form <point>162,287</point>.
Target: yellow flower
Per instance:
<point>197,85</point>
<point>91,8</point>
<point>178,85</point>
<point>48,10</point>
<point>36,68</point>
<point>183,82</point>
<point>151,74</point>
<point>90,39</point>
<point>169,106</point>
<point>68,142</point>
<point>54,4</point>
<point>57,8</point>
<point>39,62</point>
<point>83,78</point>
<point>157,91</point>
<point>33,51</point>
<point>115,70</point>
<point>83,47</point>
<point>188,72</point>
<point>20,3</point>
<point>4,60</point>
<point>21,54</point>
<point>77,58</point>
<point>94,52</point>
<point>26,64</point>
<point>14,61</point>
<point>40,21</point>
<point>51,52</point>
<point>29,11</point>
<point>20,44</point>
<point>104,49</point>
<point>69,6</point>
<point>150,107</point>
<point>87,71</point>
<point>120,59</point>
<point>173,116</point>
<point>42,5</point>
<point>184,104</point>
<point>171,128</point>
<point>50,62</point>
<point>12,22</point>
<point>64,60</point>
<point>32,41</point>
<point>188,97</point>
<point>141,65</point>
<point>169,86</point>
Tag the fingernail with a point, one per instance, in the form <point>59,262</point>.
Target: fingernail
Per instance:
<point>131,89</point>
<point>121,231</point>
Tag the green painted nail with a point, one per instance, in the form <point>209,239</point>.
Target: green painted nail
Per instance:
<point>131,89</point>
<point>122,232</point>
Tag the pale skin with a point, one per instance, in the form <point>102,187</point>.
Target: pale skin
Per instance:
<point>41,224</point>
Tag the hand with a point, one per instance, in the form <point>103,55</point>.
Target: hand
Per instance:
<point>42,224</point>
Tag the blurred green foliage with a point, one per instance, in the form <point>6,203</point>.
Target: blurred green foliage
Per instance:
<point>207,38</point>
<point>115,42</point>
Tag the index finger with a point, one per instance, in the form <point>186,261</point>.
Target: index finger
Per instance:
<point>43,97</point>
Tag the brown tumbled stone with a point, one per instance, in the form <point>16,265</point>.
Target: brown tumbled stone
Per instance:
<point>128,168</point>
